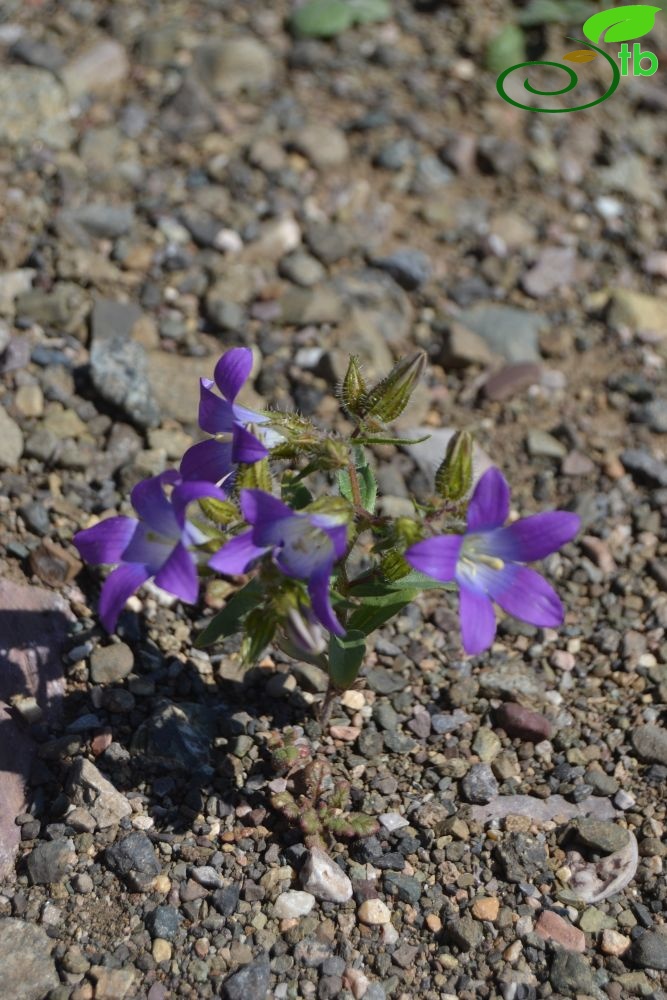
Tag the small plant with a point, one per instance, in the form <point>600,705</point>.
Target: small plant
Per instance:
<point>289,511</point>
<point>320,806</point>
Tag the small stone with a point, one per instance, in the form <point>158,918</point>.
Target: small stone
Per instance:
<point>510,332</point>
<point>374,911</point>
<point>638,312</point>
<point>323,145</point>
<point>11,441</point>
<point>51,861</point>
<point>486,908</point>
<point>29,400</point>
<point>133,858</point>
<point>553,927</point>
<point>393,821</point>
<point>250,981</point>
<point>100,68</point>
<point>28,972</point>
<point>302,269</point>
<point>161,950</point>
<point>539,444</point>
<point>650,742</point>
<point>649,951</point>
<point>577,464</point>
<point>511,380</point>
<point>555,268</point>
<point>571,973</point>
<point>462,347</point>
<point>324,879</point>
<point>163,922</point>
<point>86,785</point>
<point>233,65</point>
<point>523,723</point>
<point>479,785</point>
<point>410,268</point>
<point>486,745</point>
<point>613,943</point>
<point>33,107</point>
<point>110,664</point>
<point>293,904</point>
<point>317,305</point>
<point>112,984</point>
<point>605,838</point>
<point>464,932</point>
<point>645,468</point>
<point>522,858</point>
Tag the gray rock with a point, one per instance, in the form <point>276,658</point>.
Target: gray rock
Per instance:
<point>654,414</point>
<point>649,951</point>
<point>250,981</point>
<point>63,308</point>
<point>479,786</point>
<point>462,347</point>
<point>555,268</point>
<point>97,69</point>
<point>430,176</point>
<point>409,268</point>
<point>464,932</point>
<point>407,888</point>
<point>103,221</point>
<point>109,664</point>
<point>605,838</point>
<point>12,284</point>
<point>50,861</point>
<point>571,974</point>
<point>522,858</point>
<point>540,444</point>
<point>385,681</point>
<point>177,736</point>
<point>133,859</point>
<point>650,742</point>
<point>88,787</point>
<point>323,145</point>
<point>302,306</point>
<point>42,55</point>
<point>27,970</point>
<point>646,469</point>
<point>228,67</point>
<point>119,366</point>
<point>510,332</point>
<point>11,441</point>
<point>33,108</point>
<point>329,242</point>
<point>396,155</point>
<point>511,380</point>
<point>174,383</point>
<point>301,269</point>
<point>163,922</point>
<point>324,879</point>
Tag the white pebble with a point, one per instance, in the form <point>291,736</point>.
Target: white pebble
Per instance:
<point>293,903</point>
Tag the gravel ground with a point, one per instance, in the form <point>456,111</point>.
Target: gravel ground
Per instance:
<point>183,177</point>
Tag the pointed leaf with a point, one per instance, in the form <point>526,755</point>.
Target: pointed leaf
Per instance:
<point>321,18</point>
<point>346,654</point>
<point>622,24</point>
<point>363,825</point>
<point>284,802</point>
<point>310,822</point>
<point>227,621</point>
<point>581,56</point>
<point>368,618</point>
<point>339,825</point>
<point>369,488</point>
<point>340,797</point>
<point>369,11</point>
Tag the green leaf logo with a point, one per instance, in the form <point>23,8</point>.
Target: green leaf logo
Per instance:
<point>622,24</point>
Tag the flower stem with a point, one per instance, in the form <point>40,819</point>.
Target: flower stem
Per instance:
<point>354,484</point>
<point>327,706</point>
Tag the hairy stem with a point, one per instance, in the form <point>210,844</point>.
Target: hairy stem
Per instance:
<point>327,706</point>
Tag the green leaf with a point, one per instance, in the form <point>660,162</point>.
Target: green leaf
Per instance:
<point>369,488</point>
<point>622,24</point>
<point>505,49</point>
<point>340,797</point>
<point>421,581</point>
<point>295,494</point>
<point>363,825</point>
<point>374,439</point>
<point>369,11</point>
<point>310,822</point>
<point>227,621</point>
<point>346,655</point>
<point>322,18</point>
<point>371,616</point>
<point>380,595</point>
<point>219,511</point>
<point>284,802</point>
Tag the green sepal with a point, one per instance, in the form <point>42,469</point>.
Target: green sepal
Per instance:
<point>254,476</point>
<point>374,439</point>
<point>346,655</point>
<point>221,512</point>
<point>353,388</point>
<point>226,622</point>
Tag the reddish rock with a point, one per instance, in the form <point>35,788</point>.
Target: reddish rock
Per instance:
<point>522,723</point>
<point>551,927</point>
<point>511,380</point>
<point>33,626</point>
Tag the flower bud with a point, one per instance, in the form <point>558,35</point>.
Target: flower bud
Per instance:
<point>390,396</point>
<point>353,388</point>
<point>305,632</point>
<point>453,479</point>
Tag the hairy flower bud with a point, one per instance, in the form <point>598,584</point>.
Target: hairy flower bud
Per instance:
<point>353,388</point>
<point>453,480</point>
<point>387,400</point>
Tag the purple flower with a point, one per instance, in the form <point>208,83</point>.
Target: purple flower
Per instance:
<point>304,546</point>
<point>156,544</point>
<point>486,562</point>
<point>214,459</point>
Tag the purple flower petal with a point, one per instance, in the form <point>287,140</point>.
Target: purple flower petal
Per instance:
<point>236,555</point>
<point>105,542</point>
<point>208,461</point>
<point>261,509</point>
<point>318,588</point>
<point>232,370</point>
<point>524,594</point>
<point>153,507</point>
<point>436,557</point>
<point>242,415</point>
<point>478,620</point>
<point>245,446</point>
<point>148,548</point>
<point>304,549</point>
<point>179,575</point>
<point>118,586</point>
<point>216,415</point>
<point>490,503</point>
<point>185,493</point>
<point>532,537</point>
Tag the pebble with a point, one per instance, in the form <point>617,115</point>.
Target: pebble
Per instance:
<point>87,785</point>
<point>479,785</point>
<point>324,879</point>
<point>509,332</point>
<point>511,380</point>
<point>51,861</point>
<point>650,742</point>
<point>133,858</point>
<point>374,911</point>
<point>33,106</point>
<point>293,904</point>
<point>571,973</point>
<point>649,950</point>
<point>486,908</point>
<point>110,664</point>
<point>410,268</point>
<point>523,723</point>
<point>323,145</point>
<point>552,927</point>
<point>27,968</point>
<point>11,441</point>
<point>250,981</point>
<point>231,66</point>
<point>613,943</point>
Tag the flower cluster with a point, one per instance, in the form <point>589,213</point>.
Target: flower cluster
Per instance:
<point>220,513</point>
